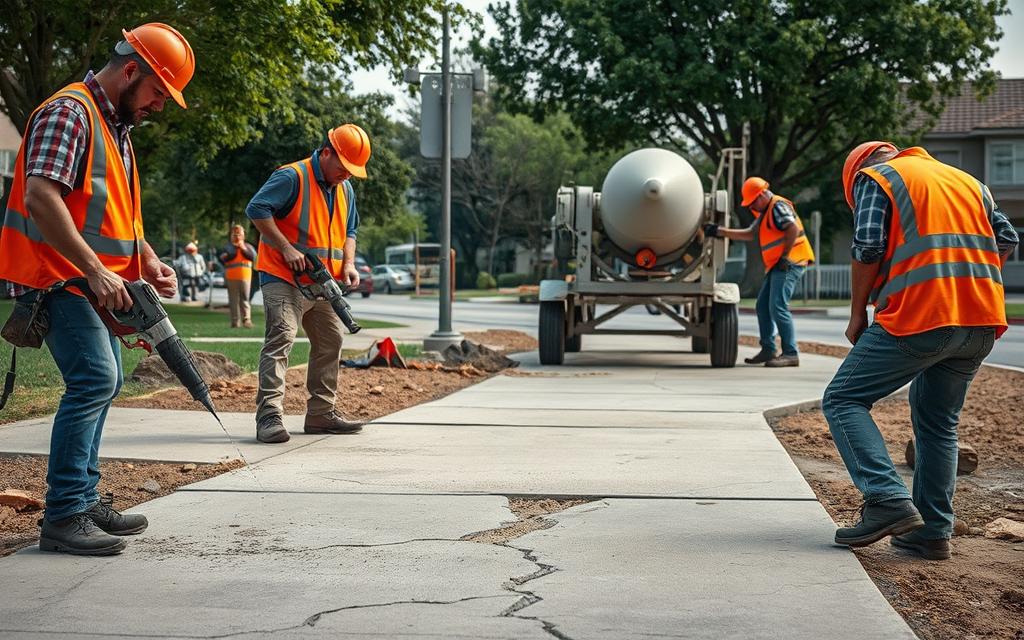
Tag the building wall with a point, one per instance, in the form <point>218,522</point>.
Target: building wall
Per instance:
<point>9,136</point>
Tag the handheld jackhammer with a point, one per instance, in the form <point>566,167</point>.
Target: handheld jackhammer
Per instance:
<point>148,321</point>
<point>324,287</point>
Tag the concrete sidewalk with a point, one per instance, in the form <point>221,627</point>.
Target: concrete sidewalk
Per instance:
<point>699,525</point>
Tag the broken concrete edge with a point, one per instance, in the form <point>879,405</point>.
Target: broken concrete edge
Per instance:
<point>225,461</point>
<point>813,404</point>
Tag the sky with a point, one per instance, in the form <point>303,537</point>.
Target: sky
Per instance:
<point>1009,60</point>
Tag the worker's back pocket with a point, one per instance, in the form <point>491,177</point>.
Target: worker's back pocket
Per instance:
<point>926,345</point>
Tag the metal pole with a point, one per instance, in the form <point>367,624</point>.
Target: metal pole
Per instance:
<point>444,336</point>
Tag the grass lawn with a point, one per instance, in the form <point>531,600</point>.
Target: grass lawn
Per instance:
<point>1015,310</point>
<point>466,294</point>
<point>39,385</point>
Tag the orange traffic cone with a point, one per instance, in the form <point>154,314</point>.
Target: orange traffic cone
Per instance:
<point>384,353</point>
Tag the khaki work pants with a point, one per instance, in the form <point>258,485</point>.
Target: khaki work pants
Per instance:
<point>285,308</point>
<point>238,301</point>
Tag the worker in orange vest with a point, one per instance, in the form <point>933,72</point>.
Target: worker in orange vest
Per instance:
<point>786,253</point>
<point>928,247</point>
<point>306,206</point>
<point>74,210</point>
<point>238,260</point>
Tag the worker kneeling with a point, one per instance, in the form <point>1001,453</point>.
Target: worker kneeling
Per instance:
<point>928,247</point>
<point>301,210</point>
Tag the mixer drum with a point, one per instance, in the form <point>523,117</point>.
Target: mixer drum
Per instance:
<point>651,198</point>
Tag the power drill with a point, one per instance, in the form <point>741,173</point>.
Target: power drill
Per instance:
<point>148,320</point>
<point>325,287</point>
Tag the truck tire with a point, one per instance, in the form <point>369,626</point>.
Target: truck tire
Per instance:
<point>575,343</point>
<point>724,334</point>
<point>551,332</point>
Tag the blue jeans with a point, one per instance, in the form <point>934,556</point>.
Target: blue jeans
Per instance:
<point>941,364</point>
<point>89,359</point>
<point>773,309</point>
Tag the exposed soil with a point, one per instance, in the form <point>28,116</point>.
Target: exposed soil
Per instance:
<point>979,593</point>
<point>503,340</point>
<point>362,393</point>
<point>123,479</point>
<point>529,514</point>
<point>152,372</point>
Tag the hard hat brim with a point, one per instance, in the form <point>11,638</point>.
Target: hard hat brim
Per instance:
<point>145,55</point>
<point>356,170</point>
<point>746,203</point>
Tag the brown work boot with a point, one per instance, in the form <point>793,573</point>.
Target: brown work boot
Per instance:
<point>234,325</point>
<point>927,549</point>
<point>270,429</point>
<point>330,423</point>
<point>247,324</point>
<point>784,361</point>
<point>761,357</point>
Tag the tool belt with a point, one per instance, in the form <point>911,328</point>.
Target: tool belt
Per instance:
<point>27,326</point>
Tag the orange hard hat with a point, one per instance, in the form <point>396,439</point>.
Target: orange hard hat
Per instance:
<point>167,52</point>
<point>856,158</point>
<point>753,187</point>
<point>353,147</point>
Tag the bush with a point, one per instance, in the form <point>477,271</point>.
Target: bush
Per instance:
<point>485,280</point>
<point>513,279</point>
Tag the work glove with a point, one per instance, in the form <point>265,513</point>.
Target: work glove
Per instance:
<point>783,264</point>
<point>711,230</point>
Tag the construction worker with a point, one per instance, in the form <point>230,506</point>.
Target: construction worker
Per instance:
<point>74,210</point>
<point>302,209</point>
<point>928,247</point>
<point>191,265</point>
<point>238,259</point>
<point>786,253</point>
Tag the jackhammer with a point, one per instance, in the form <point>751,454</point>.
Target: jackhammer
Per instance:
<point>325,287</point>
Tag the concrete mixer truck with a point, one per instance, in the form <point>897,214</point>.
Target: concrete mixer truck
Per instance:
<point>639,242</point>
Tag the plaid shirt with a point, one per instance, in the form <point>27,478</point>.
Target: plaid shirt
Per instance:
<point>873,213</point>
<point>58,140</point>
<point>783,215</point>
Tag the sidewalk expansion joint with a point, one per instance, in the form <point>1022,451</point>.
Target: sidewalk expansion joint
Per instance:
<point>504,494</point>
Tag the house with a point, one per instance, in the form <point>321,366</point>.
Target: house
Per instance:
<point>986,139</point>
<point>10,140</point>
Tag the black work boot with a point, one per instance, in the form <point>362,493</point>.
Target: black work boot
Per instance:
<point>80,536</point>
<point>113,521</point>
<point>761,357</point>
<point>886,518</point>
<point>332,423</point>
<point>784,361</point>
<point>270,429</point>
<point>927,549</point>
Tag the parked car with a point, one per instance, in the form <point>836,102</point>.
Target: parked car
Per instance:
<point>391,277</point>
<point>365,287</point>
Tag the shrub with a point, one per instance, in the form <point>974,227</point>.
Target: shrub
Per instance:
<point>513,279</point>
<point>485,280</point>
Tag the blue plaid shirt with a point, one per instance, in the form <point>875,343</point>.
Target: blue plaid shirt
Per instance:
<point>872,215</point>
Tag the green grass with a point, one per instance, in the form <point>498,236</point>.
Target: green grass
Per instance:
<point>39,384</point>
<point>1015,310</point>
<point>466,294</point>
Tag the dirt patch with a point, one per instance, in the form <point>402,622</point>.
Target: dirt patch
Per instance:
<point>977,593</point>
<point>503,340</point>
<point>529,514</point>
<point>478,356</point>
<point>152,372</point>
<point>363,394</point>
<point>123,479</point>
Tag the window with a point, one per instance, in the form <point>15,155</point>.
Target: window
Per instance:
<point>948,156</point>
<point>7,158</point>
<point>1006,163</point>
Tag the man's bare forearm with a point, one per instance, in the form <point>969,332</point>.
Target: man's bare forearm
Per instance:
<point>350,250</point>
<point>744,235</point>
<point>862,278</point>
<point>52,218</point>
<point>271,234</point>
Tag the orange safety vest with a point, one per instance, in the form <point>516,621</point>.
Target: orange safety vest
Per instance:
<point>772,239</point>
<point>941,267</point>
<point>309,227</point>
<point>105,210</point>
<point>238,267</point>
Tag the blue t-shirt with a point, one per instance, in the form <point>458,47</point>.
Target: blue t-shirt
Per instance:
<point>278,194</point>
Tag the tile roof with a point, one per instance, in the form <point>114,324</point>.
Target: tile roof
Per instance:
<point>1003,109</point>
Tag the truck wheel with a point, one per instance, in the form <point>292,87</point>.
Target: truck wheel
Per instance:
<point>551,332</point>
<point>575,343</point>
<point>724,334</point>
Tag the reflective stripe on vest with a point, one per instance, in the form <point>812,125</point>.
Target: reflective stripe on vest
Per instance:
<point>771,239</point>
<point>941,265</point>
<point>309,227</point>
<point>104,208</point>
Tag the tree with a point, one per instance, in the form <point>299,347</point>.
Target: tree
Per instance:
<point>213,198</point>
<point>811,78</point>
<point>248,53</point>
